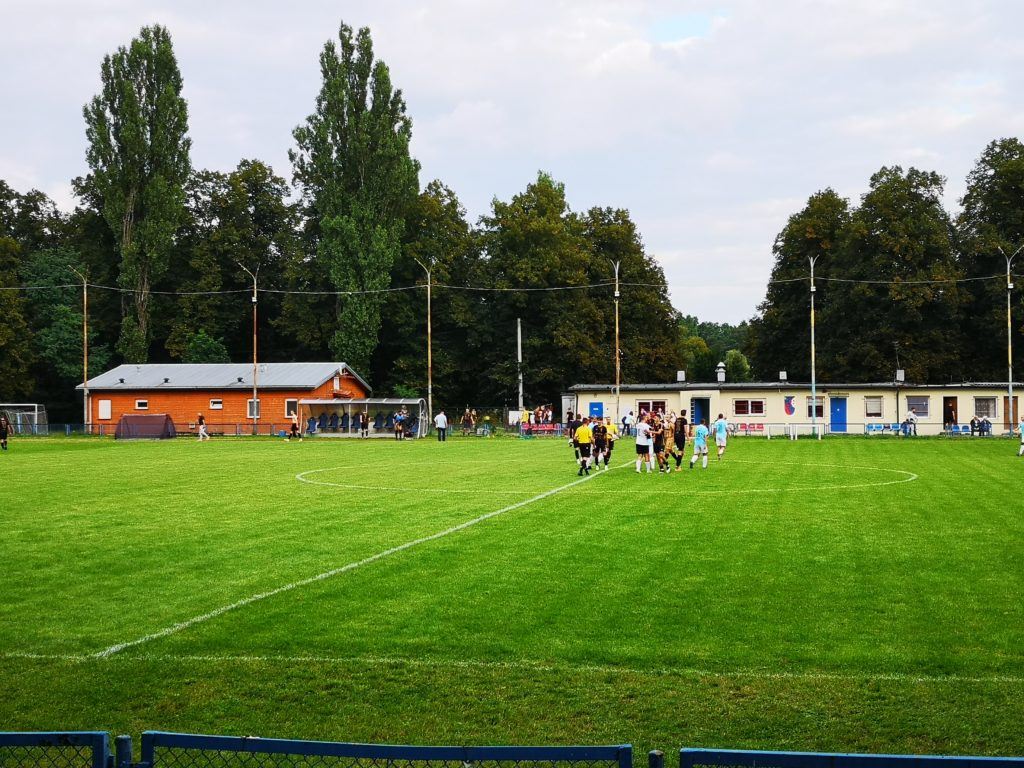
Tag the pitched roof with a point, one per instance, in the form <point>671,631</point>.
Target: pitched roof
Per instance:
<point>219,376</point>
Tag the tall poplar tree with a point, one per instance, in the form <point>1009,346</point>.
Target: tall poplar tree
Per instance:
<point>359,182</point>
<point>138,156</point>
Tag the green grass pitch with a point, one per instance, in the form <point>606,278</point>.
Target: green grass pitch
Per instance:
<point>847,595</point>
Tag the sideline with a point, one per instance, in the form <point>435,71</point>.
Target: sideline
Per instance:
<point>174,628</point>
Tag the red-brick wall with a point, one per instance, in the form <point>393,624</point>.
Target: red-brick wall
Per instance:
<point>184,406</point>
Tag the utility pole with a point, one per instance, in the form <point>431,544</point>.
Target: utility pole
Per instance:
<point>618,356</point>
<point>1009,337</point>
<point>255,369</point>
<point>519,359</point>
<point>430,359</point>
<point>85,349</point>
<point>814,373</point>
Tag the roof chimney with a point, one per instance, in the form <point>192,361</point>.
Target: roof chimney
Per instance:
<point>720,370</point>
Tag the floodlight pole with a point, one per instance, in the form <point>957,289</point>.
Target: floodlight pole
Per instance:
<point>85,348</point>
<point>1009,335</point>
<point>814,373</point>
<point>519,360</point>
<point>255,368</point>
<point>618,357</point>
<point>430,359</point>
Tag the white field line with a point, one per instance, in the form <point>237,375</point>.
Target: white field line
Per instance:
<point>538,666</point>
<point>174,628</point>
<point>909,477</point>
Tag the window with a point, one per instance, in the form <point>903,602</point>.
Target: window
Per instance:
<point>291,407</point>
<point>748,407</point>
<point>250,409</point>
<point>650,406</point>
<point>216,405</point>
<point>142,405</point>
<point>985,406</point>
<point>873,407</point>
<point>919,404</point>
<point>104,410</point>
<point>337,383</point>
<point>818,407</point>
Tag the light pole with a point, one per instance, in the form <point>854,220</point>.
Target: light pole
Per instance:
<point>255,369</point>
<point>618,357</point>
<point>85,348</point>
<point>430,359</point>
<point>1009,335</point>
<point>814,373</point>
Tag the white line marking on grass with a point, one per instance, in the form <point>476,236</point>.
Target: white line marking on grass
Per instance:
<point>539,666</point>
<point>174,628</point>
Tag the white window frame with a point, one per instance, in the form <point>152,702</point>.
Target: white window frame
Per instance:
<point>995,406</point>
<point>103,410</point>
<point>142,405</point>
<point>216,404</point>
<point>870,400</point>
<point>249,409</point>
<point>294,411</point>
<point>750,402</point>
<point>916,405</point>
<point>819,406</point>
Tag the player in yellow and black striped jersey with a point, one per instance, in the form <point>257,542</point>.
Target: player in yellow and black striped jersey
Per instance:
<point>613,435</point>
<point>600,432</point>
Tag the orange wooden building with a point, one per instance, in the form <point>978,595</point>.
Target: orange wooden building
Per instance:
<point>223,393</point>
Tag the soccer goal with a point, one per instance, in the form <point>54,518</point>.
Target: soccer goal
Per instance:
<point>26,418</point>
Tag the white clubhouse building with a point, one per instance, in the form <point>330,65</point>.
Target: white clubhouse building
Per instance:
<point>777,408</point>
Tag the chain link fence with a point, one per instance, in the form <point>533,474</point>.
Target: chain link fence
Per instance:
<point>174,750</point>
<point>54,750</point>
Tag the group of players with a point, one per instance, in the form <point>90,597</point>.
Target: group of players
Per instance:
<point>657,436</point>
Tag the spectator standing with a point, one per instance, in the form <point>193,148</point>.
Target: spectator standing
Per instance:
<point>364,424</point>
<point>912,423</point>
<point>441,424</point>
<point>1020,429</point>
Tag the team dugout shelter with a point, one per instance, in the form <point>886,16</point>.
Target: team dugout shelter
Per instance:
<point>223,393</point>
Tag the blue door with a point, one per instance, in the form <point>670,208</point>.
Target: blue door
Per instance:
<point>597,410</point>
<point>837,414</point>
<point>699,407</point>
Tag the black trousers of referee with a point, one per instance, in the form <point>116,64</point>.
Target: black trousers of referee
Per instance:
<point>442,434</point>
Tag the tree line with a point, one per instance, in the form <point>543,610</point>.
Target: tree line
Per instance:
<point>340,255</point>
<point>900,283</point>
<point>177,249</point>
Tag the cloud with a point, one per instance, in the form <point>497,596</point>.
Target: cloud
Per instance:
<point>711,122</point>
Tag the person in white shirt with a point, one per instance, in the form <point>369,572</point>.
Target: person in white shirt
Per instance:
<point>441,424</point>
<point>1020,428</point>
<point>643,443</point>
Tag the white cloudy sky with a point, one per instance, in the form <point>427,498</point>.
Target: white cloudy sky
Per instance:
<point>711,122</point>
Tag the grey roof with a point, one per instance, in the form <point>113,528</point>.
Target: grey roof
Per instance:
<point>780,385</point>
<point>157,376</point>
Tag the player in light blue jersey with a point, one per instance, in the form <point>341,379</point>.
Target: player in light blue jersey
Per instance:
<point>700,444</point>
<point>721,430</point>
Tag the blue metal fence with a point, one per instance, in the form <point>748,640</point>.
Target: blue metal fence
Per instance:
<point>61,749</point>
<point>741,758</point>
<point>178,750</point>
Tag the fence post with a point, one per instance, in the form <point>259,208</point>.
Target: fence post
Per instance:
<point>122,752</point>
<point>655,759</point>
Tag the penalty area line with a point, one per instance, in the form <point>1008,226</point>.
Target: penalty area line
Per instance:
<point>181,625</point>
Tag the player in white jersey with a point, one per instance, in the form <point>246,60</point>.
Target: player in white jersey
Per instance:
<point>721,430</point>
<point>643,443</point>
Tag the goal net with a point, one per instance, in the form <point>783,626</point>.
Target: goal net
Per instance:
<point>26,418</point>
